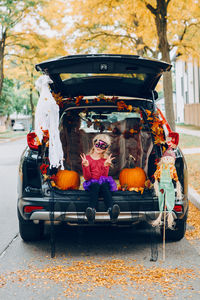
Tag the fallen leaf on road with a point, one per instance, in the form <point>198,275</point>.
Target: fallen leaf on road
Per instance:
<point>87,275</point>
<point>194,221</point>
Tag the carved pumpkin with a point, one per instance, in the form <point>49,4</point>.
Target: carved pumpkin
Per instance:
<point>132,178</point>
<point>67,180</point>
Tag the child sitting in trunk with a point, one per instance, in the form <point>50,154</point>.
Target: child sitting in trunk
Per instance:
<point>95,167</point>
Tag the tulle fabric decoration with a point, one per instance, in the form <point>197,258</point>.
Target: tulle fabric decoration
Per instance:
<point>47,118</point>
<point>102,179</point>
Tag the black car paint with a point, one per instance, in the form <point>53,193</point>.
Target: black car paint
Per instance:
<point>31,191</point>
<point>91,63</point>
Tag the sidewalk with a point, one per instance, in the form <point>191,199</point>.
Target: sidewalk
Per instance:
<point>11,136</point>
<point>12,139</point>
<point>185,130</point>
<point>193,196</point>
<point>189,132</point>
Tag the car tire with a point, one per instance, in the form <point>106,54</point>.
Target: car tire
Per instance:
<point>30,231</point>
<point>179,231</point>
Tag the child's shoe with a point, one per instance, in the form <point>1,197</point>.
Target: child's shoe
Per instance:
<point>114,212</point>
<point>90,214</point>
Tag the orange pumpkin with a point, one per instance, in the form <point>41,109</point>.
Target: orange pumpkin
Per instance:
<point>67,180</point>
<point>132,178</point>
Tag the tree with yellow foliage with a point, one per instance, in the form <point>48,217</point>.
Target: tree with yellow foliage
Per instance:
<point>145,27</point>
<point>11,14</point>
<point>22,67</point>
<point>24,20</point>
<point>30,32</point>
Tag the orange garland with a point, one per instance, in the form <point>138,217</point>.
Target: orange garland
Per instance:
<point>156,127</point>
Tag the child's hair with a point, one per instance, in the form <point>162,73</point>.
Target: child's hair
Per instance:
<point>105,138</point>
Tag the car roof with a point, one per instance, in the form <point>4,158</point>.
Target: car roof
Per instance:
<point>141,74</point>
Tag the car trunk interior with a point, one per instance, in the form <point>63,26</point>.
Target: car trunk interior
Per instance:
<point>132,144</point>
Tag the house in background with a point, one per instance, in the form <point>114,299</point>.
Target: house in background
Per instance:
<point>187,81</point>
<point>160,103</point>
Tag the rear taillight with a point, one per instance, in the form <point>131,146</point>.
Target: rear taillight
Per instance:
<point>32,141</point>
<point>178,208</point>
<point>30,208</point>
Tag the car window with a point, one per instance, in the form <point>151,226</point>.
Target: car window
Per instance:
<point>129,136</point>
<point>139,76</point>
<point>102,121</point>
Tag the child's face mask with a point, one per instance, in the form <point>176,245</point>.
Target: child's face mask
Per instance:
<point>101,144</point>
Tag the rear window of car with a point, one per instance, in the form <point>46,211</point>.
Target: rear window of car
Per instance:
<point>139,76</point>
<point>101,120</point>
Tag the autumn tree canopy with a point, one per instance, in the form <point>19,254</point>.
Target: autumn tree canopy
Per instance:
<point>22,67</point>
<point>30,32</point>
<point>145,27</point>
<point>22,23</point>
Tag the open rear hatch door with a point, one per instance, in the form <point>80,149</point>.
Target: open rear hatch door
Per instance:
<point>110,74</point>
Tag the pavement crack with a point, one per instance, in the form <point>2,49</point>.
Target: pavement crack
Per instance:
<point>9,244</point>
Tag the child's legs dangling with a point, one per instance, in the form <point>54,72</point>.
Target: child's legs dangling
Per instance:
<point>113,210</point>
<point>105,189</point>
<point>94,195</point>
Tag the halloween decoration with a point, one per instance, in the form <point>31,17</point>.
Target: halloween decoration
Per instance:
<point>66,180</point>
<point>47,118</point>
<point>43,168</point>
<point>172,139</point>
<point>164,187</point>
<point>157,130</point>
<point>133,178</point>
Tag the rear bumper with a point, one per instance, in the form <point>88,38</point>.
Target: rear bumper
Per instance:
<point>79,217</point>
<point>101,217</point>
<point>70,206</point>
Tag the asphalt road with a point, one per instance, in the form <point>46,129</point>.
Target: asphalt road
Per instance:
<point>90,263</point>
<point>10,153</point>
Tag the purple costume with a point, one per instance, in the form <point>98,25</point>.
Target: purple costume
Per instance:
<point>97,172</point>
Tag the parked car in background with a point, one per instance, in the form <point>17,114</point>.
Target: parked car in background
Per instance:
<point>18,127</point>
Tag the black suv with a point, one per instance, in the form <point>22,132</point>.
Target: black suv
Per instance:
<point>100,93</point>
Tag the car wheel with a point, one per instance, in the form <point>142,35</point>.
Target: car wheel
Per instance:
<point>179,231</point>
<point>30,231</point>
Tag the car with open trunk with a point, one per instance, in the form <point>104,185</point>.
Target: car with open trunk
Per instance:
<point>100,93</point>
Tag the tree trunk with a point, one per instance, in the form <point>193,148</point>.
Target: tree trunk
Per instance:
<point>7,122</point>
<point>32,107</point>
<point>2,49</point>
<point>168,95</point>
<point>160,13</point>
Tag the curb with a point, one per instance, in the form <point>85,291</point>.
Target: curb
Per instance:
<point>190,150</point>
<point>7,140</point>
<point>184,130</point>
<point>194,197</point>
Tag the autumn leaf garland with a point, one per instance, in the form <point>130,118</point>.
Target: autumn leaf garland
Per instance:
<point>121,105</point>
<point>44,168</point>
<point>156,124</point>
<point>156,127</point>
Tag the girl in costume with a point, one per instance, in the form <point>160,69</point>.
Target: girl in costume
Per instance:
<point>95,167</point>
<point>164,187</point>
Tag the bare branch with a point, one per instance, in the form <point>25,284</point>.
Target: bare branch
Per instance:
<point>20,56</point>
<point>151,8</point>
<point>101,33</point>
<point>184,32</point>
<point>186,27</point>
